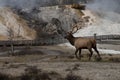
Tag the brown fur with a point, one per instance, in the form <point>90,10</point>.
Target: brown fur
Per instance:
<point>82,43</point>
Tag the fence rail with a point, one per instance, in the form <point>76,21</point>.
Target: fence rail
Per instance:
<point>39,42</point>
<point>101,39</point>
<point>107,39</point>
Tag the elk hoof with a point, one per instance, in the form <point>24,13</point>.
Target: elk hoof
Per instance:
<point>89,59</point>
<point>79,58</point>
<point>99,59</point>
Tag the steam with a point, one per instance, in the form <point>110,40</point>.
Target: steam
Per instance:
<point>22,3</point>
<point>107,9</point>
<point>33,3</point>
<point>105,5</point>
<point>106,18</point>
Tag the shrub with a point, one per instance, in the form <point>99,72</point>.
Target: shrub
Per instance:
<point>32,73</point>
<point>71,76</point>
<point>76,67</point>
<point>4,77</point>
<point>115,59</point>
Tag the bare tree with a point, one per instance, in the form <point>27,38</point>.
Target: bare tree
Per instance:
<point>18,34</point>
<point>11,36</point>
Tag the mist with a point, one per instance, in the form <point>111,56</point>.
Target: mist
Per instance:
<point>106,9</point>
<point>106,15</point>
<point>34,3</point>
<point>105,5</point>
<point>22,3</point>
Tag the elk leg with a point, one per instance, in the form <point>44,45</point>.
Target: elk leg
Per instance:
<point>80,54</point>
<point>76,53</point>
<point>91,53</point>
<point>95,48</point>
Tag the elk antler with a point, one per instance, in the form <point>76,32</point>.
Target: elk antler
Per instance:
<point>77,26</point>
<point>74,29</point>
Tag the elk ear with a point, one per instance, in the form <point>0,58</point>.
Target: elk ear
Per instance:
<point>70,32</point>
<point>67,33</point>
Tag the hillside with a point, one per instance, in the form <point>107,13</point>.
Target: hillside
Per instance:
<point>12,24</point>
<point>106,18</point>
<point>40,22</point>
<point>47,20</point>
<point>104,23</point>
<point>44,22</point>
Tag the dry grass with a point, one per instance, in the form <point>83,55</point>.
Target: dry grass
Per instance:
<point>25,58</point>
<point>60,54</point>
<point>114,59</point>
<point>71,76</point>
<point>66,57</point>
<point>63,66</point>
<point>33,73</point>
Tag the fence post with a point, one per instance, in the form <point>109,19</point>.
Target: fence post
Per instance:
<point>95,35</point>
<point>12,47</point>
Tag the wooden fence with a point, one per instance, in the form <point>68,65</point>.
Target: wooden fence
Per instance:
<point>39,42</point>
<point>107,39</point>
<point>101,39</point>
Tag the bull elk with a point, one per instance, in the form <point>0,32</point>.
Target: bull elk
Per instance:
<point>82,43</point>
<point>79,42</point>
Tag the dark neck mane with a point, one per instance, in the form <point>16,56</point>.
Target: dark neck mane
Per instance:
<point>71,39</point>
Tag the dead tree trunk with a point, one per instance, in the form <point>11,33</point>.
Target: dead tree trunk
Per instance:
<point>11,36</point>
<point>12,48</point>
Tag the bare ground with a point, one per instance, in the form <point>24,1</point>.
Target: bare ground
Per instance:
<point>62,60</point>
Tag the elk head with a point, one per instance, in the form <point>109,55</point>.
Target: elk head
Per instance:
<point>68,35</point>
<point>65,34</point>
